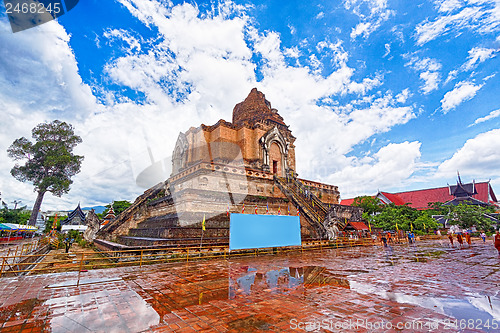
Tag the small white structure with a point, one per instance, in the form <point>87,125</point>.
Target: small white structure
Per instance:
<point>79,228</point>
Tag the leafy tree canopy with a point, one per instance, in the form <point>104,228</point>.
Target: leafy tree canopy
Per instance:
<point>403,217</point>
<point>369,204</point>
<point>436,208</point>
<point>466,216</point>
<point>17,216</point>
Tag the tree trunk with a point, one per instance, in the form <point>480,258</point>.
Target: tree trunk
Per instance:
<point>36,208</point>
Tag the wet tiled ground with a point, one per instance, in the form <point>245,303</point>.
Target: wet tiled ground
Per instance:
<point>419,288</point>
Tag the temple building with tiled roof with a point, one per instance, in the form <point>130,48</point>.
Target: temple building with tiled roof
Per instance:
<point>110,216</point>
<point>473,193</point>
<point>247,165</point>
<point>76,217</point>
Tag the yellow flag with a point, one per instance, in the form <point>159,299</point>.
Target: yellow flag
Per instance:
<point>203,223</point>
<point>397,229</point>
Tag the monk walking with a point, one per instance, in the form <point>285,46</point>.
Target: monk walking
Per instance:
<point>497,242</point>
<point>450,236</point>
<point>468,239</point>
<point>460,240</point>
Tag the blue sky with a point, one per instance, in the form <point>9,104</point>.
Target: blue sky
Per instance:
<point>381,95</point>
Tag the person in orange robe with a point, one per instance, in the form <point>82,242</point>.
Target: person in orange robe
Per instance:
<point>468,238</point>
<point>450,236</point>
<point>460,239</point>
<point>497,242</point>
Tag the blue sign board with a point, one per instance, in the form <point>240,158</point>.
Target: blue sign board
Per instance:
<point>251,231</point>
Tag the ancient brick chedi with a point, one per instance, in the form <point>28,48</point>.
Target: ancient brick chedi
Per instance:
<point>247,166</point>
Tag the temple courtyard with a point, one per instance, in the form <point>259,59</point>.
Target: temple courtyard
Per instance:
<point>426,287</point>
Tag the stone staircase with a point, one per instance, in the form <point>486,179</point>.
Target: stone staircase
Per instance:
<point>309,204</point>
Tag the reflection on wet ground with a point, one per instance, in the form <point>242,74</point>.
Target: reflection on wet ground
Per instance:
<point>426,283</point>
<point>282,280</point>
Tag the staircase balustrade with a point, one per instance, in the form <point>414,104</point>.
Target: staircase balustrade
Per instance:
<point>296,192</point>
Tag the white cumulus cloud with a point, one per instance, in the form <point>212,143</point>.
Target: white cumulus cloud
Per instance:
<point>478,156</point>
<point>371,13</point>
<point>463,91</point>
<point>387,168</point>
<point>199,66</point>
<point>493,114</point>
<point>478,55</point>
<point>429,72</point>
<point>482,16</point>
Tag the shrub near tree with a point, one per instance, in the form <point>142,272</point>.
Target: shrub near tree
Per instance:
<point>67,239</point>
<point>425,223</point>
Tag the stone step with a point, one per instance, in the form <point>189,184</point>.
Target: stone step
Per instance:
<point>187,220</point>
<point>179,232</point>
<point>164,221</point>
<point>152,241</point>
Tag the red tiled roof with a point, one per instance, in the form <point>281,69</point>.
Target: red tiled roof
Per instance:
<point>347,202</point>
<point>419,199</point>
<point>482,192</point>
<point>394,198</point>
<point>358,225</point>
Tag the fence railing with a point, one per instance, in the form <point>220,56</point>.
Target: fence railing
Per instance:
<point>82,261</point>
<point>14,258</point>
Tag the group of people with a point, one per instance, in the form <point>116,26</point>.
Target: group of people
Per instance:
<point>460,239</point>
<point>387,237</point>
<point>468,239</point>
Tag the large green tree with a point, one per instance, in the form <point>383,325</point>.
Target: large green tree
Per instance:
<point>49,161</point>
<point>467,216</point>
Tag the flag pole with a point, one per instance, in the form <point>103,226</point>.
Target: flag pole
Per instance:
<point>202,229</point>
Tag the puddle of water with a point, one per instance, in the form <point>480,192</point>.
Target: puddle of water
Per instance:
<point>74,283</point>
<point>479,308</point>
<point>114,315</point>
<point>426,256</point>
<point>282,280</point>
